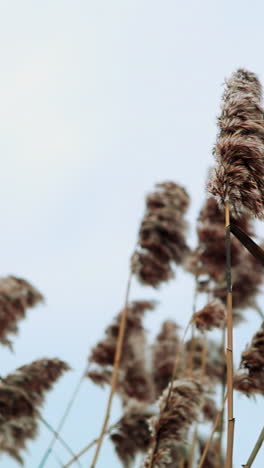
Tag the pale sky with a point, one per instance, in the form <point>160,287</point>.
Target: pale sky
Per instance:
<point>99,101</point>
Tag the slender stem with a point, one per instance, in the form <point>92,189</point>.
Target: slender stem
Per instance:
<point>192,449</point>
<point>255,449</point>
<point>223,390</point>
<point>216,423</point>
<point>85,449</point>
<point>259,311</point>
<point>65,445</point>
<point>62,421</point>
<point>229,349</point>
<point>118,353</point>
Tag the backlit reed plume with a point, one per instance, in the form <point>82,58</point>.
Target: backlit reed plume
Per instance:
<point>21,393</point>
<point>213,315</point>
<point>164,350</point>
<point>177,414</point>
<point>18,420</point>
<point>162,235</point>
<point>16,295</point>
<point>239,151</point>
<point>251,381</point>
<point>131,434</point>
<point>37,378</point>
<point>134,380</point>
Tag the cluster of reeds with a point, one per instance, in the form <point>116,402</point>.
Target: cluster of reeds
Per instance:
<point>237,184</point>
<point>22,393</point>
<point>168,386</point>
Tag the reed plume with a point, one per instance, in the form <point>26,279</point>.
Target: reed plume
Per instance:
<point>21,393</point>
<point>213,315</point>
<point>134,380</point>
<point>18,420</point>
<point>131,434</point>
<point>37,378</point>
<point>16,295</point>
<point>251,381</point>
<point>162,235</point>
<point>177,414</point>
<point>164,350</point>
<point>239,151</point>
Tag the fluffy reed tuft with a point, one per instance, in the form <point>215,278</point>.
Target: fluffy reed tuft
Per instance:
<point>239,151</point>
<point>177,413</point>
<point>162,234</point>
<point>20,395</point>
<point>134,380</point>
<point>131,434</point>
<point>37,378</point>
<point>164,350</point>
<point>16,295</point>
<point>213,315</point>
<point>18,420</point>
<point>252,380</point>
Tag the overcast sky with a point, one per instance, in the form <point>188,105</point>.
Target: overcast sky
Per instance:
<point>99,101</point>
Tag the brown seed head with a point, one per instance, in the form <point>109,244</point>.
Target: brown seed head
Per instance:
<point>162,234</point>
<point>175,418</point>
<point>252,380</point>
<point>37,378</point>
<point>164,351</point>
<point>213,315</point>
<point>239,151</point>
<point>16,295</point>
<point>134,379</point>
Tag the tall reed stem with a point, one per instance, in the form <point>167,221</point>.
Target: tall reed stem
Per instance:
<point>215,425</point>
<point>223,391</point>
<point>255,450</point>
<point>229,349</point>
<point>118,353</point>
<point>62,421</point>
<point>62,441</point>
<point>85,449</point>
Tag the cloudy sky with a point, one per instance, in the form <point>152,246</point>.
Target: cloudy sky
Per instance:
<point>99,101</point>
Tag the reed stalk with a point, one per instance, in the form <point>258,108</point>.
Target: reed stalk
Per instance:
<point>59,438</point>
<point>255,450</point>
<point>229,349</point>
<point>113,382</point>
<point>192,449</point>
<point>216,423</point>
<point>85,449</point>
<point>56,434</point>
<point>223,391</point>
